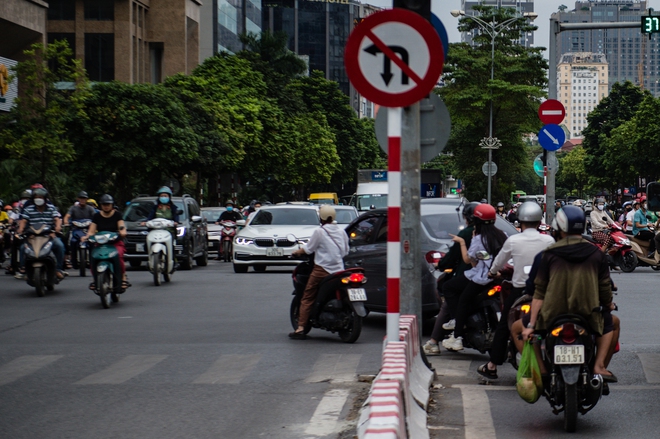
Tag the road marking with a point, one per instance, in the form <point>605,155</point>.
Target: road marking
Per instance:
<point>23,366</point>
<point>325,420</point>
<point>651,366</point>
<point>613,386</point>
<point>123,370</point>
<point>229,369</point>
<point>335,368</point>
<point>476,412</point>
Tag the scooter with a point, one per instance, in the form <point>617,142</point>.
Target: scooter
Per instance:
<point>621,252</point>
<point>339,305</point>
<point>82,252</point>
<point>105,259</point>
<point>40,261</point>
<point>640,249</point>
<point>161,249</point>
<point>227,238</point>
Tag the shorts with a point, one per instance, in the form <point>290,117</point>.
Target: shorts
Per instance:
<point>608,323</point>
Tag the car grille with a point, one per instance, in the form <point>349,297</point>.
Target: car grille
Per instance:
<point>264,242</point>
<point>285,243</point>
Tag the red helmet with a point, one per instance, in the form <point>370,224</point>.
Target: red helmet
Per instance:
<point>8,207</point>
<point>36,186</point>
<point>642,198</point>
<point>484,212</point>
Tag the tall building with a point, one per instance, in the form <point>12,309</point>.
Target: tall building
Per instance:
<point>132,41</point>
<point>521,6</point>
<point>581,84</point>
<point>223,21</point>
<point>631,55</point>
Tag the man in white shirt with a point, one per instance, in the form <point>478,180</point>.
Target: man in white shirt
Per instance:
<point>630,216</point>
<point>522,248</point>
<point>330,245</point>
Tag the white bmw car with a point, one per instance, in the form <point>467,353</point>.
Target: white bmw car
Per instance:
<point>263,241</point>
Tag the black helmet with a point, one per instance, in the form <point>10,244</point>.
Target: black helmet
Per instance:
<point>468,211</point>
<point>106,199</point>
<point>571,220</point>
<point>82,194</point>
<point>40,192</point>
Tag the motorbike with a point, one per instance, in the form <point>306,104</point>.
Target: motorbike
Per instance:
<point>107,276</point>
<point>80,248</point>
<point>640,249</point>
<point>621,252</point>
<point>40,261</point>
<point>339,305</point>
<point>3,256</point>
<point>227,239</point>
<point>161,249</point>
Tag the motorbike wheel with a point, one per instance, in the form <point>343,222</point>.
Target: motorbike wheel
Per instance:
<point>570,407</point>
<point>157,267</point>
<point>82,261</point>
<point>103,285</point>
<point>226,251</point>
<point>627,262</point>
<point>294,312</point>
<point>351,334</point>
<point>39,282</point>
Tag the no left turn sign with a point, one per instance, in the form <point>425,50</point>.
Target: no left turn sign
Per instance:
<point>394,58</point>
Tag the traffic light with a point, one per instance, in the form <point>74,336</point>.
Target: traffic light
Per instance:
<point>421,7</point>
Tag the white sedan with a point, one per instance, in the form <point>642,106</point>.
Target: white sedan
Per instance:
<point>264,242</point>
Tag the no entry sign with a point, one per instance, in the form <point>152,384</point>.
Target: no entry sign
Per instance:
<point>552,112</point>
<point>394,58</point>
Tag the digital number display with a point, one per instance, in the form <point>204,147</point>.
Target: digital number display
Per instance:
<point>650,24</point>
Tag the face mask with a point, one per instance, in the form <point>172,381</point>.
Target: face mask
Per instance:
<point>644,206</point>
<point>39,201</point>
<point>164,200</point>
<point>601,207</point>
<point>229,208</point>
<point>256,209</point>
<point>628,209</point>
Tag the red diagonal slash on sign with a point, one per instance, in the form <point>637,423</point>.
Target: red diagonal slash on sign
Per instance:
<point>391,55</point>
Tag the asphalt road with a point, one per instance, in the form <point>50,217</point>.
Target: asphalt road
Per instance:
<point>206,356</point>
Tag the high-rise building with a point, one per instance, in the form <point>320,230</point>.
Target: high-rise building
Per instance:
<point>581,84</point>
<point>631,55</point>
<point>132,41</point>
<point>521,6</point>
<point>223,21</point>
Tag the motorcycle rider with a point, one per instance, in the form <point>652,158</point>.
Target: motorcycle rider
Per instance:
<point>330,244</point>
<point>630,216</point>
<point>35,214</point>
<point>599,226</point>
<point>79,211</point>
<point>487,238</point>
<point>574,278</point>
<point>522,248</point>
<point>230,214</point>
<point>108,219</point>
<point>164,208</point>
<point>500,210</point>
<point>512,216</point>
<point>641,227</point>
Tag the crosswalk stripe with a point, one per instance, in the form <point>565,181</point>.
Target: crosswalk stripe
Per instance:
<point>123,370</point>
<point>23,366</point>
<point>476,412</point>
<point>229,369</point>
<point>326,416</point>
<point>335,368</point>
<point>651,366</point>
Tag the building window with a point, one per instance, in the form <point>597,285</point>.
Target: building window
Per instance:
<point>102,10</point>
<point>61,10</point>
<point>100,57</point>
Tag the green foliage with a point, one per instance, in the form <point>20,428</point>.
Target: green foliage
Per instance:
<point>572,172</point>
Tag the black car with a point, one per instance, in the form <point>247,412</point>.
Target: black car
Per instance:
<point>191,232</point>
<point>368,248</point>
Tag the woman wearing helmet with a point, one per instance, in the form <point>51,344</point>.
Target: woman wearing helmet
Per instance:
<point>164,207</point>
<point>108,219</point>
<point>330,244</point>
<point>487,238</point>
<point>600,225</point>
<point>500,210</point>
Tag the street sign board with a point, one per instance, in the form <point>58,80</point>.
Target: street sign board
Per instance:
<point>394,58</point>
<point>442,33</point>
<point>552,137</point>
<point>434,127</point>
<point>552,112</point>
<point>553,164</point>
<point>650,24</point>
<point>489,172</point>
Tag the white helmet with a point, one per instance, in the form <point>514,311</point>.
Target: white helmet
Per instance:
<point>327,213</point>
<point>530,212</point>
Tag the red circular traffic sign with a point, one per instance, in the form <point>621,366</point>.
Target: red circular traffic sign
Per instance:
<point>394,58</point>
<point>552,112</point>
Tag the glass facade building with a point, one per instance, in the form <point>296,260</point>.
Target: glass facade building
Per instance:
<point>232,18</point>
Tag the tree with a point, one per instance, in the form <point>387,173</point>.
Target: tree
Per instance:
<point>572,173</point>
<point>516,92</point>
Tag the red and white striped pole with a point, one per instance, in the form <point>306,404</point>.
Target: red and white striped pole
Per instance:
<point>394,221</point>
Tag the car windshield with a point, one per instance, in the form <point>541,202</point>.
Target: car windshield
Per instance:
<point>138,211</point>
<point>441,225</point>
<point>212,215</point>
<point>291,217</point>
<point>345,216</point>
<point>364,202</point>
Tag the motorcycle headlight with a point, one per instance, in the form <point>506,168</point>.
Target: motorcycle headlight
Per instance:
<point>28,250</point>
<point>180,231</point>
<point>46,248</point>
<point>244,241</point>
<point>625,241</point>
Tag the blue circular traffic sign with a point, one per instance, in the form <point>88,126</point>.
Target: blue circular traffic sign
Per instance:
<point>552,137</point>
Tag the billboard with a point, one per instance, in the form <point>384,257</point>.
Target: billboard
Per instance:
<point>8,90</point>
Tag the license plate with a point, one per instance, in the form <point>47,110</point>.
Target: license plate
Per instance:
<point>357,294</point>
<point>569,354</point>
<point>139,247</point>
<point>274,252</point>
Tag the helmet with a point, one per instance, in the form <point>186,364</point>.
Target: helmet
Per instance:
<point>106,199</point>
<point>165,190</point>
<point>530,212</point>
<point>571,220</point>
<point>8,207</point>
<point>327,212</point>
<point>635,202</point>
<point>36,186</point>
<point>468,211</point>
<point>92,202</point>
<point>40,192</point>
<point>500,204</point>
<point>600,200</point>
<point>82,194</point>
<point>577,203</point>
<point>15,205</point>
<point>229,202</point>
<point>484,212</point>
<point>27,193</point>
<point>627,203</point>
<point>642,198</point>
<point>483,200</point>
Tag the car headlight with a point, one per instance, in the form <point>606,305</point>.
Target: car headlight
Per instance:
<point>180,231</point>
<point>244,241</point>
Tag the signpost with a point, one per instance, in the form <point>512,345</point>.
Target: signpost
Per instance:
<point>552,112</point>
<point>552,137</point>
<point>489,171</point>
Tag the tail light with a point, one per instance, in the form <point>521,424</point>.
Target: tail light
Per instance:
<point>433,257</point>
<point>355,278</point>
<point>525,309</point>
<point>568,332</point>
<point>496,289</point>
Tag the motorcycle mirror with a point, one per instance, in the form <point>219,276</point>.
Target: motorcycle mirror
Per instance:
<point>483,255</point>
<point>291,238</point>
<point>179,212</point>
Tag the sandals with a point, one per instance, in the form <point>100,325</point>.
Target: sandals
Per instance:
<point>92,286</point>
<point>485,372</point>
<point>297,335</point>
<point>125,284</point>
<point>610,378</point>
